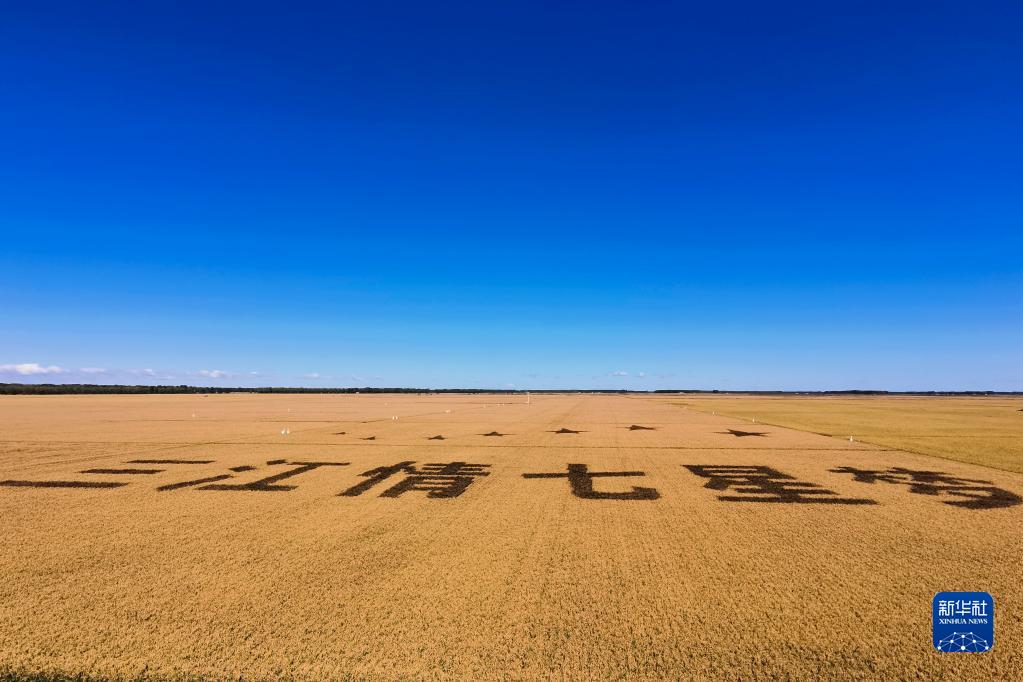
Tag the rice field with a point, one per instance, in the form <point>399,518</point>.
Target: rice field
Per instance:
<point>977,430</point>
<point>389,537</point>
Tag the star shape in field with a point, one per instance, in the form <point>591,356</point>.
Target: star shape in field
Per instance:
<point>494,433</point>
<point>565,430</point>
<point>637,427</point>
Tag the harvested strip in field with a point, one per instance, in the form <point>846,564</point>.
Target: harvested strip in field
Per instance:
<point>198,481</point>
<point>62,484</point>
<point>170,461</point>
<point>120,471</point>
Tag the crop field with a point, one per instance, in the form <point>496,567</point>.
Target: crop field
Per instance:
<point>976,430</point>
<point>479,537</point>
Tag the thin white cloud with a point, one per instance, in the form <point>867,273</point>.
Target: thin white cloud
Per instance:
<point>312,375</point>
<point>619,373</point>
<point>93,370</point>
<point>213,373</point>
<point>150,373</point>
<point>30,369</point>
<point>641,375</point>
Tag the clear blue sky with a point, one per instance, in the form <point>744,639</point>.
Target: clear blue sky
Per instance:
<point>635,194</point>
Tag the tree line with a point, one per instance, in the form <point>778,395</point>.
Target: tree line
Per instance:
<point>125,389</point>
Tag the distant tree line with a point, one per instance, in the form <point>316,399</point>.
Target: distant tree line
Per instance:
<point>122,389</point>
<point>848,392</point>
<point>69,389</point>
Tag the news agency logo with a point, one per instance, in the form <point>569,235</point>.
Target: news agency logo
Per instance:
<point>964,622</point>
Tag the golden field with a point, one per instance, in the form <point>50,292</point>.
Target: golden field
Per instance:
<point>207,560</point>
<point>976,430</point>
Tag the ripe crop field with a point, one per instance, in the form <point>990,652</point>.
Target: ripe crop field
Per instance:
<point>976,430</point>
<point>477,537</point>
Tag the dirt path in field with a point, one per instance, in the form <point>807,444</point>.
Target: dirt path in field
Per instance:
<point>717,547</point>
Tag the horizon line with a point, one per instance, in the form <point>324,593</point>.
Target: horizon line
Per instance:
<point>64,388</point>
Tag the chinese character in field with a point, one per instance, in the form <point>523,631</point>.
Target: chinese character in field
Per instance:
<point>765,484</point>
<point>106,471</point>
<point>61,484</point>
<point>267,484</point>
<point>436,480</point>
<point>978,494</point>
<point>580,478</point>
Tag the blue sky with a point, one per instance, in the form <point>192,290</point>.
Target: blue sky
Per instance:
<point>592,195</point>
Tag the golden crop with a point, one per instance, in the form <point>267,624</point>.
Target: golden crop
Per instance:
<point>317,537</point>
<point>977,430</point>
